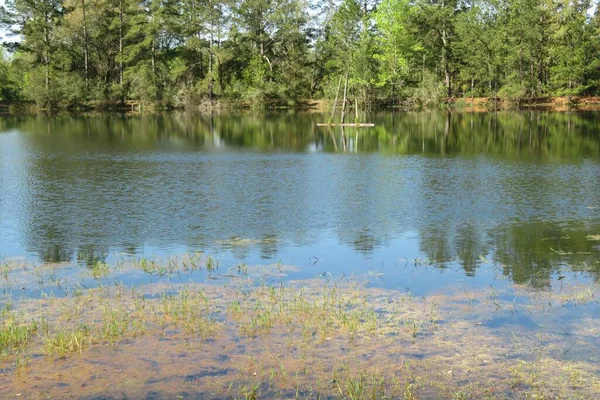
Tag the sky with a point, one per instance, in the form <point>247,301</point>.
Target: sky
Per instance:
<point>1,30</point>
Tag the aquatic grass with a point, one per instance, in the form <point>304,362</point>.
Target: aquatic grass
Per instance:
<point>119,323</point>
<point>261,321</point>
<point>234,308</point>
<point>300,332</point>
<point>152,267</point>
<point>8,266</point>
<point>67,342</point>
<point>188,263</point>
<point>211,264</point>
<point>242,269</point>
<point>367,383</point>
<point>5,268</point>
<point>99,270</point>
<point>190,310</point>
<point>250,391</point>
<point>15,332</point>
<point>191,261</point>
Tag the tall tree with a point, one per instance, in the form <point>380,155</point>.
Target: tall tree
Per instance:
<point>570,41</point>
<point>396,46</point>
<point>7,85</point>
<point>479,48</point>
<point>36,22</point>
<point>526,38</point>
<point>435,22</point>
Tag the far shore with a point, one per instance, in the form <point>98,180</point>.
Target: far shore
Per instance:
<point>574,103</point>
<point>468,104</point>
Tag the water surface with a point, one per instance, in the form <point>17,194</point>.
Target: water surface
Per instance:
<point>421,201</point>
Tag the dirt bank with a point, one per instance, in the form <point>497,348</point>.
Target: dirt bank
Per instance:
<point>536,103</point>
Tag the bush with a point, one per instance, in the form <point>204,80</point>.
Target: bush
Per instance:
<point>64,90</point>
<point>512,92</point>
<point>430,93</point>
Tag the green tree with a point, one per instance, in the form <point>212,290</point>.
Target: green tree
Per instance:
<point>350,48</point>
<point>526,37</point>
<point>568,52</point>
<point>397,47</point>
<point>36,22</point>
<point>479,48</point>
<point>274,60</point>
<point>434,21</point>
<point>4,84</point>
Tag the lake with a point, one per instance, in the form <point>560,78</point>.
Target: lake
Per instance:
<point>456,191</point>
<point>437,254</point>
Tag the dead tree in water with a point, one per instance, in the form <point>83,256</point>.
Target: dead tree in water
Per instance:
<point>337,94</point>
<point>344,101</point>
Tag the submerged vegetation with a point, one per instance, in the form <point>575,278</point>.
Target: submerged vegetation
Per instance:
<point>312,339</point>
<point>69,54</point>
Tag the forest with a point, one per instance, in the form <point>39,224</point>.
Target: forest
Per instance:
<point>62,54</point>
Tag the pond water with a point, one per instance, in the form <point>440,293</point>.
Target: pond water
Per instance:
<point>436,255</point>
<point>420,201</point>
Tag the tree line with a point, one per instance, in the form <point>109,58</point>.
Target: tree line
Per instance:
<point>181,53</point>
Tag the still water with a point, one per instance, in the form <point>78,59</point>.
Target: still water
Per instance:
<point>420,201</point>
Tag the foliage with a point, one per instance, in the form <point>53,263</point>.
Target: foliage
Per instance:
<point>430,92</point>
<point>9,89</point>
<point>183,53</point>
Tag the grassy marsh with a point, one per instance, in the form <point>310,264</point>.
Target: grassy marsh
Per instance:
<point>334,338</point>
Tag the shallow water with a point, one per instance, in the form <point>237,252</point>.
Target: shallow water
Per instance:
<point>315,339</point>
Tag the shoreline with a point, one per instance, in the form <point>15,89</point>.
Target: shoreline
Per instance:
<point>466,104</point>
<point>558,104</point>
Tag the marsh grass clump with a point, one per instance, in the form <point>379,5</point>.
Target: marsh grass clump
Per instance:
<point>5,268</point>
<point>15,332</point>
<point>99,270</point>
<point>250,391</point>
<point>67,342</point>
<point>234,309</point>
<point>10,267</point>
<point>242,269</point>
<point>261,322</point>
<point>120,322</point>
<point>151,267</point>
<point>365,386</point>
<point>188,263</point>
<point>316,314</point>
<point>189,310</point>
<point>191,261</point>
<point>211,264</point>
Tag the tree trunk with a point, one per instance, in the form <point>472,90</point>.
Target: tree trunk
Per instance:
<point>121,42</point>
<point>337,94</point>
<point>153,60</point>
<point>472,88</point>
<point>445,63</point>
<point>156,91</point>
<point>46,57</point>
<point>344,101</point>
<point>210,46</point>
<point>85,47</point>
